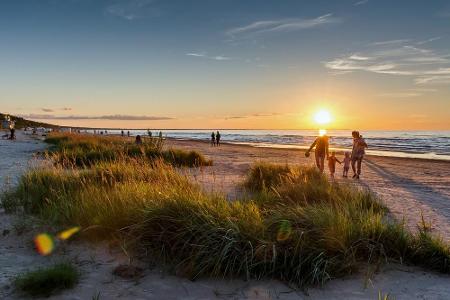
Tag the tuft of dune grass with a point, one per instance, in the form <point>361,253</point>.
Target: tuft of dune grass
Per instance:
<point>86,150</point>
<point>44,282</point>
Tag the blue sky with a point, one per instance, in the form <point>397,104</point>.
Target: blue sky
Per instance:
<point>226,63</point>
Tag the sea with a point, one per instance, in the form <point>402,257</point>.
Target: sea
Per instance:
<point>413,144</point>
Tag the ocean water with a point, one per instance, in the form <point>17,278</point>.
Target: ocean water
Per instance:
<point>416,144</point>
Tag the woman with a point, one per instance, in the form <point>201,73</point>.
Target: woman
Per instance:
<point>321,144</point>
<point>358,151</point>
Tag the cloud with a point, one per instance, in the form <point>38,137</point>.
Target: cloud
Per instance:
<point>433,80</point>
<point>47,109</point>
<point>66,108</point>
<point>203,55</point>
<point>361,2</point>
<point>390,42</point>
<point>428,40</point>
<point>255,115</point>
<point>221,58</point>
<point>281,25</point>
<point>401,57</point>
<point>400,95</point>
<point>105,117</point>
<point>196,54</point>
<point>129,9</point>
<point>358,57</point>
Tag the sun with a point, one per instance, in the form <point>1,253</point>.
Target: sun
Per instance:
<point>322,117</point>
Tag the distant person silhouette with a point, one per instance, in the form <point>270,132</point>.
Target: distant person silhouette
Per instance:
<point>218,138</point>
<point>213,139</point>
<point>138,140</point>
<point>128,133</point>
<point>12,132</point>
<point>358,151</point>
<point>321,145</point>
<point>149,133</point>
<point>160,135</point>
<point>122,133</point>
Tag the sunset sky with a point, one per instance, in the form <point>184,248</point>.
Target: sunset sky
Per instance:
<point>373,64</point>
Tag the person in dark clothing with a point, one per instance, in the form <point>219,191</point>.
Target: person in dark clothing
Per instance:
<point>122,133</point>
<point>218,138</point>
<point>12,133</point>
<point>138,140</point>
<point>128,133</point>
<point>213,139</point>
<point>321,150</point>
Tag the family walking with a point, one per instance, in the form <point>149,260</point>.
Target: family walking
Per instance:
<point>321,145</point>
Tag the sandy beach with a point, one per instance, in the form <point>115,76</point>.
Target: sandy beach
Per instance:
<point>409,187</point>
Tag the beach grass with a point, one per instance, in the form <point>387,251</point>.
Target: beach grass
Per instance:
<point>294,224</point>
<point>86,150</point>
<point>44,282</point>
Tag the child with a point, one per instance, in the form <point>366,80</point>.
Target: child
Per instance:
<point>346,162</point>
<point>332,163</point>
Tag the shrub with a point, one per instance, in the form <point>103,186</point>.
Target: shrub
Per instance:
<point>45,281</point>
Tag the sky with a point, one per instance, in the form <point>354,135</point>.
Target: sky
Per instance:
<point>247,64</point>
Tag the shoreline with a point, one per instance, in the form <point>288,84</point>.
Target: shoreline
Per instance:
<point>302,148</point>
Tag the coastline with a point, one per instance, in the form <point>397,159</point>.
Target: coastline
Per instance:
<point>302,148</point>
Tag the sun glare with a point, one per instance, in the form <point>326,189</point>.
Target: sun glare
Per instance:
<point>322,132</point>
<point>322,117</point>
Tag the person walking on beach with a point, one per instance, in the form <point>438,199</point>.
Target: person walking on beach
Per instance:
<point>138,140</point>
<point>332,160</point>
<point>346,162</point>
<point>213,139</point>
<point>218,138</point>
<point>12,131</point>
<point>358,151</point>
<point>321,150</point>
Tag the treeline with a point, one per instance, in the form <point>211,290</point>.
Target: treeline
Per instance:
<point>22,123</point>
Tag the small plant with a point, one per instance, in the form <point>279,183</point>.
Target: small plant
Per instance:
<point>45,281</point>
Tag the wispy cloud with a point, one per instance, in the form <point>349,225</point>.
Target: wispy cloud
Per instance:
<point>129,9</point>
<point>400,95</point>
<point>401,57</point>
<point>255,115</point>
<point>281,25</point>
<point>428,40</point>
<point>196,54</point>
<point>204,55</point>
<point>47,109</point>
<point>105,117</point>
<point>361,2</point>
<point>66,108</point>
<point>390,42</point>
